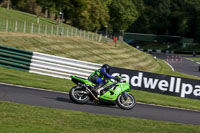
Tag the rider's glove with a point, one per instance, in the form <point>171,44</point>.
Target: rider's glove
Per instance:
<point>117,79</point>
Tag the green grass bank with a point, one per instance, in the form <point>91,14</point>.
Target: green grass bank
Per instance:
<point>24,118</point>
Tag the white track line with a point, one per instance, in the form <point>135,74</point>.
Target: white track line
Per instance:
<point>35,88</point>
<point>169,107</point>
<point>68,93</point>
<point>188,59</point>
<point>169,65</point>
<point>192,60</point>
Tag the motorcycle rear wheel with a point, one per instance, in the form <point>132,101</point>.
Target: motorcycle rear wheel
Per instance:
<point>77,96</point>
<point>126,104</point>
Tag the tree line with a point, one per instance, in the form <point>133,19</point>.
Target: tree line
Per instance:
<point>163,17</point>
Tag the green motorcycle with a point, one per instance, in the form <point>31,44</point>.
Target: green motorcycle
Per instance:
<point>112,92</point>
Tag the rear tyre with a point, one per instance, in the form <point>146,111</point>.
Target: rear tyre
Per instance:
<point>78,95</point>
<point>126,104</point>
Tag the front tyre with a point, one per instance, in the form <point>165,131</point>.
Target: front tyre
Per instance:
<point>126,104</point>
<point>78,95</point>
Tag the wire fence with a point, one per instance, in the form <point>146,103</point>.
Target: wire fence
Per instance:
<point>60,30</point>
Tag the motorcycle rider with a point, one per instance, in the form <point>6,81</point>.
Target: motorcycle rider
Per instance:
<point>99,75</point>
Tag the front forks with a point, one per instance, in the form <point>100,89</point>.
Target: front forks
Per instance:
<point>125,95</point>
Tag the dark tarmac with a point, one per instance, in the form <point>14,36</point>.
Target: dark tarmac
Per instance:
<point>181,64</point>
<point>24,95</point>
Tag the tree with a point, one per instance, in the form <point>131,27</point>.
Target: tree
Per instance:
<point>48,6</point>
<point>38,10</point>
<point>193,15</point>
<point>86,14</point>
<point>186,15</point>
<point>142,24</point>
<point>27,5</point>
<point>159,12</point>
<point>74,10</point>
<point>154,17</point>
<point>8,5</point>
<point>197,33</point>
<point>122,14</point>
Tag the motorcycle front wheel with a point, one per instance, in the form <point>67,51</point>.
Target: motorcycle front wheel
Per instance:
<point>78,95</point>
<point>128,104</point>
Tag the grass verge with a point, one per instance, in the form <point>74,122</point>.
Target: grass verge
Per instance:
<point>34,80</point>
<point>194,59</point>
<point>24,118</point>
<point>14,15</point>
<point>73,47</point>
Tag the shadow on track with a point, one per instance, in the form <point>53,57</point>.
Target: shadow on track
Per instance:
<point>61,99</point>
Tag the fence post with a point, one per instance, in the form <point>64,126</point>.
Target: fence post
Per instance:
<point>67,31</point>
<point>92,36</point>
<point>32,27</point>
<point>80,33</point>
<point>84,34</point>
<point>24,26</point>
<point>72,32</point>
<point>46,29</point>
<point>100,37</point>
<point>6,25</point>
<point>63,31</point>
<point>61,34</point>
<point>51,29</point>
<point>38,28</point>
<point>96,36</point>
<point>57,31</point>
<point>76,32</point>
<point>16,26</point>
<point>88,35</point>
<point>0,24</point>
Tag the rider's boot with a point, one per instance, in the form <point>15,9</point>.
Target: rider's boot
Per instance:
<point>95,89</point>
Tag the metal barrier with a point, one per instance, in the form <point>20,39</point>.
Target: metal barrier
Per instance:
<point>45,64</point>
<point>15,58</point>
<point>60,67</point>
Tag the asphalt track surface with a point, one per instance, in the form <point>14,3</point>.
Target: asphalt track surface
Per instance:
<point>181,64</point>
<point>30,96</point>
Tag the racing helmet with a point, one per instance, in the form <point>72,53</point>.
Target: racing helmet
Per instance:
<point>107,67</point>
